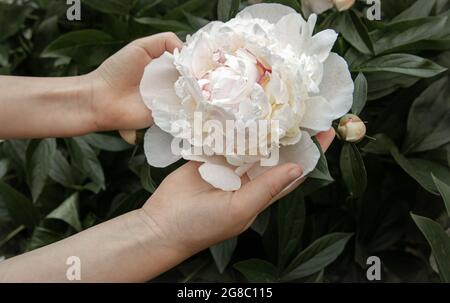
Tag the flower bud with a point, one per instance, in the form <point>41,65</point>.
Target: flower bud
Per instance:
<point>129,136</point>
<point>351,128</point>
<point>343,5</point>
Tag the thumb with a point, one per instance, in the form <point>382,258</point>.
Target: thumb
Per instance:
<point>258,193</point>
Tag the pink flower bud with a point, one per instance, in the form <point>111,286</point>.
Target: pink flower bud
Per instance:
<point>343,5</point>
<point>351,128</point>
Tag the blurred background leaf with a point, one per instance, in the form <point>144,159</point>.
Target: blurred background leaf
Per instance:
<point>52,188</point>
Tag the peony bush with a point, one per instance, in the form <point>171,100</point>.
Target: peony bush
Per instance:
<point>382,189</point>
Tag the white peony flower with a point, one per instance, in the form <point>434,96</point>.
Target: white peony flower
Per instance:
<point>265,65</point>
<point>320,6</point>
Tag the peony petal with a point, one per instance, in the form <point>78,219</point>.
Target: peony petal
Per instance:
<point>241,170</point>
<point>337,85</point>
<point>319,114</point>
<point>201,57</point>
<point>288,28</point>
<point>305,153</point>
<point>158,91</point>
<point>322,43</point>
<point>219,176</point>
<point>157,147</point>
<point>159,79</point>
<point>271,12</point>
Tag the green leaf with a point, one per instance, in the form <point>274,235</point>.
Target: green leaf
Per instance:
<point>38,165</point>
<point>418,169</point>
<point>439,242</point>
<point>42,237</point>
<point>12,18</point>
<point>291,220</point>
<point>223,252</point>
<point>4,167</point>
<point>20,208</point>
<point>295,4</point>
<point>124,203</point>
<point>384,83</point>
<point>444,190</point>
<point>196,22</point>
<point>353,170</point>
<point>146,179</point>
<point>407,35</point>
<point>403,64</point>
<point>89,47</point>
<point>261,222</point>
<point>119,7</point>
<point>11,235</point>
<point>354,31</point>
<point>85,159</point>
<point>68,212</point>
<point>165,25</point>
<point>426,44</point>
<point>186,7</point>
<point>321,171</point>
<point>107,142</point>
<point>429,118</point>
<point>4,55</point>
<point>60,170</point>
<point>147,8</point>
<point>417,10</point>
<point>392,8</point>
<point>15,150</point>
<point>257,271</point>
<point>320,176</point>
<point>359,94</point>
<point>317,256</point>
<point>227,9</point>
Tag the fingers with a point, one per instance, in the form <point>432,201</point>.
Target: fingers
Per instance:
<point>326,138</point>
<point>258,193</point>
<point>157,44</point>
<point>129,136</point>
<point>271,186</point>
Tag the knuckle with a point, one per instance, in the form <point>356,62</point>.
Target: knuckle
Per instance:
<point>170,35</point>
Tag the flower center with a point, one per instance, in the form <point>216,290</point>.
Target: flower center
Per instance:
<point>233,74</point>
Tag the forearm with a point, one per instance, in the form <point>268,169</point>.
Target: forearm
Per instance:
<point>129,248</point>
<point>45,107</point>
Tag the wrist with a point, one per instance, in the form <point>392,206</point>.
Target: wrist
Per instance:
<point>90,94</point>
<point>160,247</point>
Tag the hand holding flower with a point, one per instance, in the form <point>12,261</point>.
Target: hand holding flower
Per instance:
<point>193,215</point>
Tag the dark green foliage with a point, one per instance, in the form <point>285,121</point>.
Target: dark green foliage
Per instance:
<point>357,203</point>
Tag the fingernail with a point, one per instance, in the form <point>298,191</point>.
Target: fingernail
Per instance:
<point>295,172</point>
